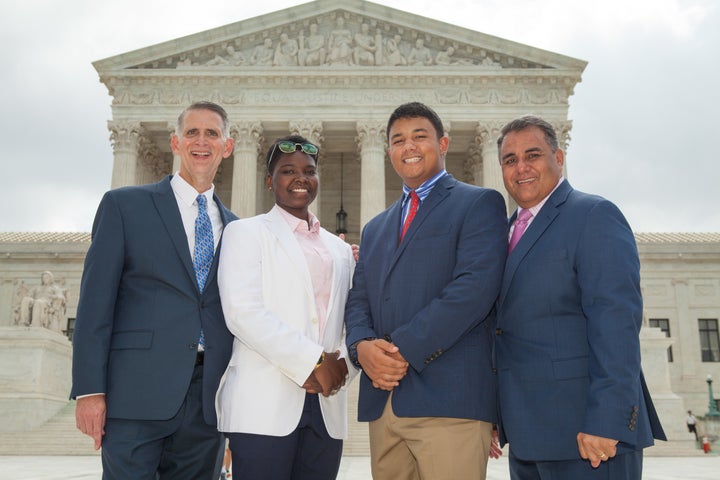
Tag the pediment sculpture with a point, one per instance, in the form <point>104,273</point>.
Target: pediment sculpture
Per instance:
<point>339,39</point>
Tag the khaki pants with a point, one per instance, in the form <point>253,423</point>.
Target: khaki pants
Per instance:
<point>428,448</point>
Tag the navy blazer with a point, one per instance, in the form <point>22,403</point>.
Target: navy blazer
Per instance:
<point>433,296</point>
<point>140,310</point>
<point>567,345</point>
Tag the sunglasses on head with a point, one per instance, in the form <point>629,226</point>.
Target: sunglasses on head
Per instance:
<point>287,146</point>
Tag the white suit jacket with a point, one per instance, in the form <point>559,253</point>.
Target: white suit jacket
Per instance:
<point>269,306</point>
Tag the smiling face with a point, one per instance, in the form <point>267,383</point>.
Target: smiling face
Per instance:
<point>530,168</point>
<point>294,181</point>
<point>415,150</point>
<point>201,147</point>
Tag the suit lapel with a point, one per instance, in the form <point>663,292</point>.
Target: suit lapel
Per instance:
<point>438,195</point>
<point>540,223</point>
<point>166,205</point>
<point>277,225</point>
<point>225,217</point>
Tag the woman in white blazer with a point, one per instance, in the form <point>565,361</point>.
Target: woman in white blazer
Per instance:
<point>283,284</point>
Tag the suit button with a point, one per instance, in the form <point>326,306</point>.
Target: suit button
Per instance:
<point>494,370</point>
<point>498,331</point>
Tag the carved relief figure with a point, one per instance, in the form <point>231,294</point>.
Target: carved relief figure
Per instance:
<point>420,54</point>
<point>43,305</point>
<point>312,50</point>
<point>364,53</point>
<point>446,58</point>
<point>393,55</point>
<point>286,51</point>
<point>339,44</point>
<point>233,58</point>
<point>263,54</point>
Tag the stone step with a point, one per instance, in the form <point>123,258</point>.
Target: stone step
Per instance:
<point>58,436</point>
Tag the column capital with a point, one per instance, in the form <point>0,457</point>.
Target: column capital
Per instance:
<point>488,132</point>
<point>562,130</point>
<point>247,135</point>
<point>308,129</point>
<point>124,135</point>
<point>371,135</point>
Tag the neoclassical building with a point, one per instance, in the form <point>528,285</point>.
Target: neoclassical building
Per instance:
<point>333,71</point>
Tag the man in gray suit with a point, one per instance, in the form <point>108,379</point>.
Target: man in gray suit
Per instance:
<point>150,341</point>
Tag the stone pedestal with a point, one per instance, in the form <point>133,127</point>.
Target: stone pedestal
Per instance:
<point>35,376</point>
<point>669,406</point>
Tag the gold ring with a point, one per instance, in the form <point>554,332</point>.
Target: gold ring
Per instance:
<point>602,455</point>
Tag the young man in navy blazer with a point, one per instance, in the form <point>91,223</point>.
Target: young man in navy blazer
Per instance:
<point>573,400</point>
<point>144,381</point>
<point>419,315</point>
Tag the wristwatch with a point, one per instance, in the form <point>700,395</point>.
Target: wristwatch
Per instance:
<point>352,351</point>
<point>320,360</point>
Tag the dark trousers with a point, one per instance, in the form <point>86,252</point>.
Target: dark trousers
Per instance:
<point>308,453</point>
<point>181,448</point>
<point>625,466</point>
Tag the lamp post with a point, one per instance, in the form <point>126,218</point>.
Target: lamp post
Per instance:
<point>341,216</point>
<point>713,411</point>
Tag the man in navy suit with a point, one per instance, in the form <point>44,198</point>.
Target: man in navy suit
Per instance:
<point>144,380</point>
<point>419,315</point>
<point>573,400</point>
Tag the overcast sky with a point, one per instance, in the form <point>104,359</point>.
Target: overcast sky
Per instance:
<point>645,115</point>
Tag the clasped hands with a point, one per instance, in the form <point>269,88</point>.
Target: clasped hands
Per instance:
<point>329,377</point>
<point>382,363</point>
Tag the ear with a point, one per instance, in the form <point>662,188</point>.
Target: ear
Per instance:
<point>560,157</point>
<point>174,143</point>
<point>444,145</point>
<point>229,145</point>
<point>268,181</point>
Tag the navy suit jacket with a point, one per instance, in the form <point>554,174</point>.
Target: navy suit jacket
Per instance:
<point>433,296</point>
<point>140,310</point>
<point>567,346</point>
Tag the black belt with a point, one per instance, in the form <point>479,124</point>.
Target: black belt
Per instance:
<point>200,359</point>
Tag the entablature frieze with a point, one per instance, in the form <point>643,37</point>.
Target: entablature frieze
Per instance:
<point>436,91</point>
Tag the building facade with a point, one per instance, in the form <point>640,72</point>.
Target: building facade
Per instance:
<point>333,71</point>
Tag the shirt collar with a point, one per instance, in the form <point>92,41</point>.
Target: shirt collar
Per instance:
<point>424,189</point>
<point>298,224</point>
<point>186,192</point>
<point>536,208</point>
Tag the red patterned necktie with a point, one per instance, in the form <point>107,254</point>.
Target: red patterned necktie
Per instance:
<point>414,204</point>
<point>520,225</point>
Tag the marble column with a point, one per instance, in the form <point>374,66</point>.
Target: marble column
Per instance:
<point>313,132</point>
<point>687,327</point>
<point>124,139</point>
<point>371,143</point>
<point>562,130</point>
<point>176,158</point>
<point>486,136</point>
<point>474,165</point>
<point>248,138</point>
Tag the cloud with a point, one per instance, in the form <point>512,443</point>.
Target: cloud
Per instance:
<point>644,114</point>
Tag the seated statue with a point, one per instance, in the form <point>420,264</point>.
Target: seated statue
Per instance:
<point>43,305</point>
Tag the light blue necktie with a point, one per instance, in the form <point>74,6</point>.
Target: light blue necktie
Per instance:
<point>204,247</point>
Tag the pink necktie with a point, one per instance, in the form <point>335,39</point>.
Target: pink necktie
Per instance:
<point>414,204</point>
<point>520,225</point>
